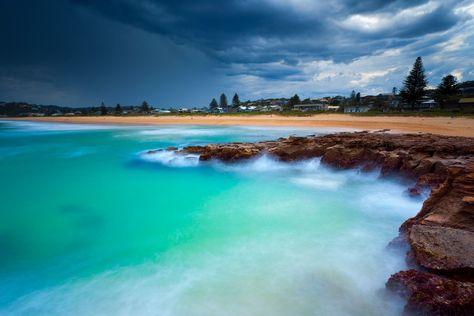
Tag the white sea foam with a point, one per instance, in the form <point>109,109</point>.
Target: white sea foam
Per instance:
<point>291,274</point>
<point>261,164</point>
<point>47,126</point>
<point>245,133</point>
<point>170,158</point>
<point>388,200</point>
<point>318,182</point>
<point>182,131</point>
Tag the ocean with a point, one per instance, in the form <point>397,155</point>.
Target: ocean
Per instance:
<point>91,225</point>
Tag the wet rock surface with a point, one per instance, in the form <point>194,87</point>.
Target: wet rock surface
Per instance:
<point>443,249</point>
<point>440,236</point>
<point>431,294</point>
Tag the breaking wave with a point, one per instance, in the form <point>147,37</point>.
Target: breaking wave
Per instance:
<point>55,127</point>
<point>170,158</point>
<point>185,132</point>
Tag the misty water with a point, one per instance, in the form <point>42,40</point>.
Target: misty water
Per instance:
<point>92,225</point>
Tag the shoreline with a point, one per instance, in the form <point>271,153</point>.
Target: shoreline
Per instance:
<point>447,126</point>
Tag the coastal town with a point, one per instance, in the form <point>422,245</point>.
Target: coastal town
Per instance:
<point>415,96</point>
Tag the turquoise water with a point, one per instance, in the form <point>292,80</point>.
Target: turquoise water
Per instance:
<point>89,225</point>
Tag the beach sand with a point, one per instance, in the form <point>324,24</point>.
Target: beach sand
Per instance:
<point>456,126</point>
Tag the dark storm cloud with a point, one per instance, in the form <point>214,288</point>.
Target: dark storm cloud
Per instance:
<point>272,30</point>
<point>355,6</point>
<point>183,52</point>
<point>55,52</point>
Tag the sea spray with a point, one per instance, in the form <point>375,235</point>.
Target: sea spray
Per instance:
<point>170,158</point>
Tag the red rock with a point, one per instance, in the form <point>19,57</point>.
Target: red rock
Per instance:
<point>468,200</point>
<point>431,294</point>
<point>414,191</point>
<point>448,250</point>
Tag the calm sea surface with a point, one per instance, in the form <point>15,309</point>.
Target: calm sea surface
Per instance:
<point>89,225</point>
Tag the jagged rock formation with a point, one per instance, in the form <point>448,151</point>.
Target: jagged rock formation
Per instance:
<point>441,235</point>
<point>431,294</point>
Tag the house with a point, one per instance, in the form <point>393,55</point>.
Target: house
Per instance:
<point>275,108</point>
<point>394,103</point>
<point>428,104</point>
<point>466,88</point>
<point>311,107</point>
<point>465,102</point>
<point>356,109</point>
<point>161,111</point>
<point>423,104</point>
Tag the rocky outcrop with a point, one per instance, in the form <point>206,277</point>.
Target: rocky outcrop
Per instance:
<point>440,236</point>
<point>431,294</point>
<point>443,249</point>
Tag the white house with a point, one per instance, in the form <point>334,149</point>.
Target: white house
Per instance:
<point>311,107</point>
<point>356,109</point>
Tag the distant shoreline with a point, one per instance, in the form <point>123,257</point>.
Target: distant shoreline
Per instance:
<point>456,126</point>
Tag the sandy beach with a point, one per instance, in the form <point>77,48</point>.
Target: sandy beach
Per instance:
<point>458,126</point>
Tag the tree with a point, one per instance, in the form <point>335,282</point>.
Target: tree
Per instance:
<point>353,95</point>
<point>294,100</point>
<point>353,98</point>
<point>145,108</point>
<point>118,109</point>
<point>357,98</point>
<point>223,102</point>
<point>414,85</point>
<point>447,88</point>
<point>103,109</point>
<point>235,101</point>
<point>213,105</point>
<point>394,91</point>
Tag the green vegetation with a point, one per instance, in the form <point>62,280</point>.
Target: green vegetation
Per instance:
<point>235,101</point>
<point>447,89</point>
<point>118,110</point>
<point>213,105</point>
<point>414,85</point>
<point>223,101</point>
<point>103,109</point>
<point>145,108</point>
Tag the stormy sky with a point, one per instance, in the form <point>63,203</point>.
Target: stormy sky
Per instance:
<point>183,53</point>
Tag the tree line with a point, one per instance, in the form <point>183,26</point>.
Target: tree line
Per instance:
<point>144,108</point>
<point>414,86</point>
<point>223,103</point>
